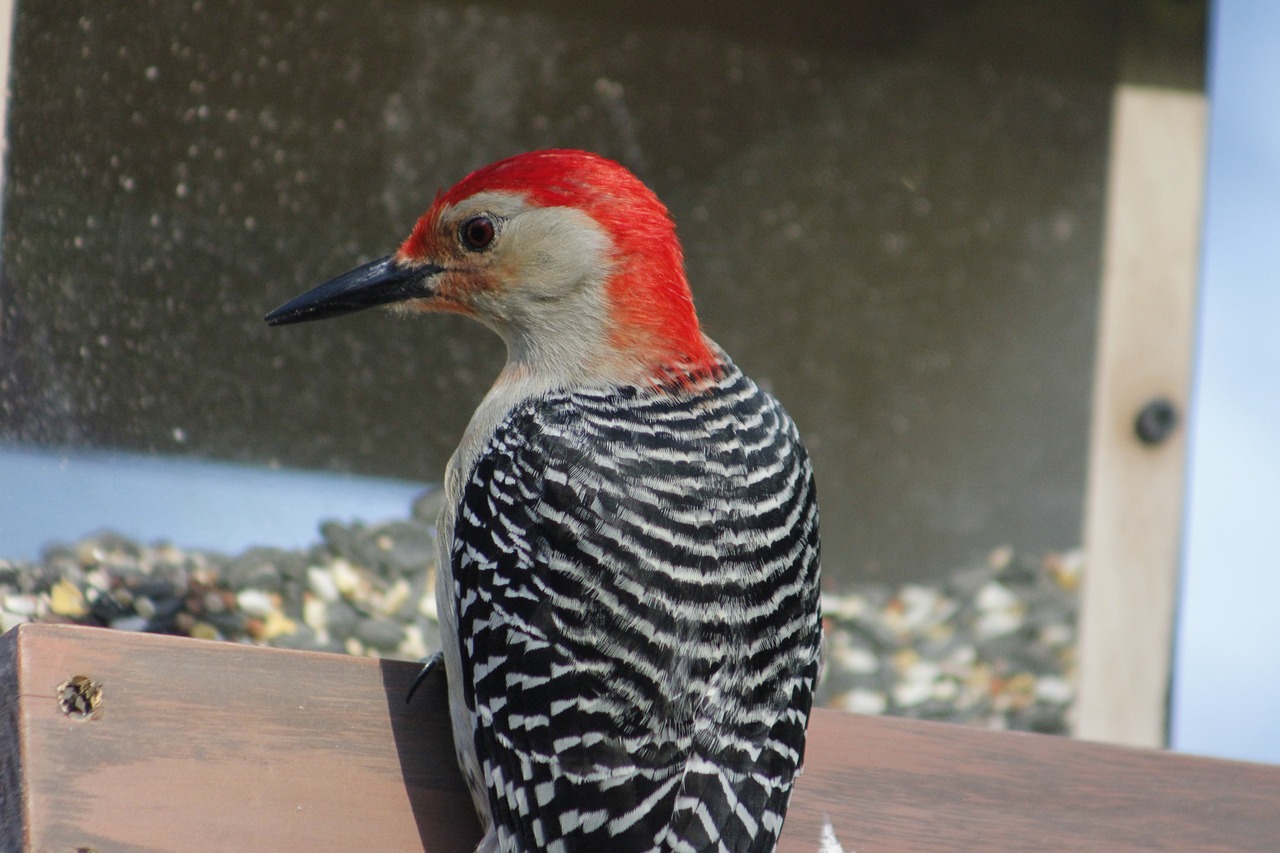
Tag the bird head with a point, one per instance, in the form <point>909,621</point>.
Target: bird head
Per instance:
<point>565,254</point>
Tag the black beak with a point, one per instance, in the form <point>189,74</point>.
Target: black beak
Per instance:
<point>379,282</point>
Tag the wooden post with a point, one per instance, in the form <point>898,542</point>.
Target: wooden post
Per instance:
<point>116,742</point>
<point>1134,507</point>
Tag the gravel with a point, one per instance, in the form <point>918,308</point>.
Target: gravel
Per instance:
<point>992,646</point>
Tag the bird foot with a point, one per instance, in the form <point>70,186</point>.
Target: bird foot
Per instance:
<point>428,666</point>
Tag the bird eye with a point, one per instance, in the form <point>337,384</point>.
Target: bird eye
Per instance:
<point>477,233</point>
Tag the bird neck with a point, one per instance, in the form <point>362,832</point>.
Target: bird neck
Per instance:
<point>629,321</point>
<point>603,356</point>
<point>653,322</point>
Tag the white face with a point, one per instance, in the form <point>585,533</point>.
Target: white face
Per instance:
<point>540,258</point>
<point>534,275</point>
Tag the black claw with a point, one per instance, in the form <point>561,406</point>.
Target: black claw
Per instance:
<point>428,665</point>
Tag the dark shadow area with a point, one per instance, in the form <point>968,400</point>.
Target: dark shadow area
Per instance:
<point>439,797</point>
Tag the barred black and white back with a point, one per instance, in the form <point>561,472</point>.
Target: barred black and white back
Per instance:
<point>635,582</point>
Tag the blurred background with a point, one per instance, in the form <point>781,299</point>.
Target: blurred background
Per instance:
<point>893,215</point>
<point>895,229</point>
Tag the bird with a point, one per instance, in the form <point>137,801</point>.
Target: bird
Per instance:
<point>628,553</point>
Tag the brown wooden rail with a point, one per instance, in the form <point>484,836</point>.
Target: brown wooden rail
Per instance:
<point>128,742</point>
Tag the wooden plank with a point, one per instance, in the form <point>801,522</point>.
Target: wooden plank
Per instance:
<point>198,746</point>
<point>204,746</point>
<point>1134,506</point>
<point>12,765</point>
<point>904,786</point>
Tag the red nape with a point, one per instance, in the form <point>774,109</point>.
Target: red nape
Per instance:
<point>652,303</point>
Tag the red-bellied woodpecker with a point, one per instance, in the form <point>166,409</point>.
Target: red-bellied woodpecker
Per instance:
<point>628,554</point>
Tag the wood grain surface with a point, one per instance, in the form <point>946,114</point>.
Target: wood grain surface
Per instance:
<point>198,746</point>
<point>1135,505</point>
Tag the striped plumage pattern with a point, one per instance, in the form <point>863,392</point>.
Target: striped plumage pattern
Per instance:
<point>635,572</point>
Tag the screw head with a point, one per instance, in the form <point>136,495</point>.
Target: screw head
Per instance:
<point>1156,421</point>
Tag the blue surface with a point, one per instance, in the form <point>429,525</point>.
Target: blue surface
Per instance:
<point>1226,696</point>
<point>47,496</point>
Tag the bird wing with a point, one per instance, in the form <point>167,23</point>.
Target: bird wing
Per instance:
<point>636,582</point>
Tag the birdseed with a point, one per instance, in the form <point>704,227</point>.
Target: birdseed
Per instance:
<point>993,645</point>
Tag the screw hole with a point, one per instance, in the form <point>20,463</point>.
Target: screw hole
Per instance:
<point>80,697</point>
